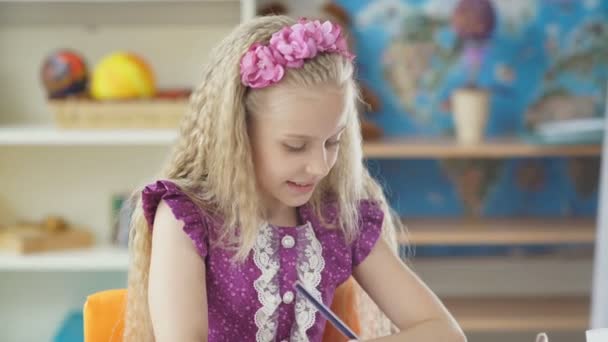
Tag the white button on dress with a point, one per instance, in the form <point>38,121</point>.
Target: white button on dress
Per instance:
<point>288,297</point>
<point>288,241</point>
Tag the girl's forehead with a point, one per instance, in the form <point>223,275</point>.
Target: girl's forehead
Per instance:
<point>305,110</point>
<point>288,95</point>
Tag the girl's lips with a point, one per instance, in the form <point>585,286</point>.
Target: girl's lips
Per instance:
<point>301,187</point>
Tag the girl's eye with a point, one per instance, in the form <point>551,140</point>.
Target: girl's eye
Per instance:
<point>332,143</point>
<point>294,148</point>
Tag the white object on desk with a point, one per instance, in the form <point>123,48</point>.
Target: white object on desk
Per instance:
<point>599,296</point>
<point>542,337</point>
<point>597,335</point>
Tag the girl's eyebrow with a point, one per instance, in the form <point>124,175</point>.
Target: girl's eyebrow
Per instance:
<point>304,136</point>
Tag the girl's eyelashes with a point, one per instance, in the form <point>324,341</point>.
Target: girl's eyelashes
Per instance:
<point>301,147</point>
<point>335,140</point>
<point>295,147</point>
<point>332,143</point>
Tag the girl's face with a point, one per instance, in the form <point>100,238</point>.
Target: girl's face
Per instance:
<point>295,134</point>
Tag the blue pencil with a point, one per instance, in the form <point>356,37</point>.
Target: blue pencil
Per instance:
<point>326,312</point>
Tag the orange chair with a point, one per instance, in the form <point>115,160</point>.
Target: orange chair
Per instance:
<point>103,314</point>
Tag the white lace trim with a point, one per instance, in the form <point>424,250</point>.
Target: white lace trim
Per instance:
<point>310,264</point>
<point>267,285</point>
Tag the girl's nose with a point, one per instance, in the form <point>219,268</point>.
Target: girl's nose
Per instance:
<point>317,165</point>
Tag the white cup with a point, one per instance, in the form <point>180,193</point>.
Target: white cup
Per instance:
<point>542,337</point>
<point>597,335</point>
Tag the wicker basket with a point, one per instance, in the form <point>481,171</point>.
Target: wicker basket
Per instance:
<point>89,114</point>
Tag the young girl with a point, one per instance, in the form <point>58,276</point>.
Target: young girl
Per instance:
<point>265,187</point>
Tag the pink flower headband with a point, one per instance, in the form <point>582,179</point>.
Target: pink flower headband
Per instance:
<point>264,64</point>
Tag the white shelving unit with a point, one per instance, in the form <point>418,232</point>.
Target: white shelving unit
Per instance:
<point>45,170</point>
<point>100,258</point>
<point>51,136</point>
<point>102,12</point>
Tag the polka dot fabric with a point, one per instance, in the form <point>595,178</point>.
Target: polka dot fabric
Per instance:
<point>232,297</point>
<point>371,221</point>
<point>181,206</point>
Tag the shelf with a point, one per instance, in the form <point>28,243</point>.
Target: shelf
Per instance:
<point>42,136</point>
<point>92,2</point>
<point>555,274</point>
<point>492,148</point>
<point>124,12</point>
<point>511,314</point>
<point>108,258</point>
<point>392,148</point>
<point>499,231</point>
<point>102,258</point>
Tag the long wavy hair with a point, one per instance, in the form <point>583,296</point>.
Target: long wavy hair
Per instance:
<point>212,157</point>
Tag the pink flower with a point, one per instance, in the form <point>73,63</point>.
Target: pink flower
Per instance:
<point>333,40</point>
<point>263,65</point>
<point>291,44</point>
<point>342,48</point>
<point>330,34</point>
<point>311,34</point>
<point>260,68</point>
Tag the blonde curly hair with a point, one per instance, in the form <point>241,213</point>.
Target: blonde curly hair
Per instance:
<point>212,158</point>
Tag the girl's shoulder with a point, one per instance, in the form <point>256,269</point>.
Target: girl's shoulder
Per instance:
<point>369,211</point>
<point>371,220</point>
<point>197,221</point>
<point>369,230</point>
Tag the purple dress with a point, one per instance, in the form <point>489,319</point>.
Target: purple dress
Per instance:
<point>255,301</point>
